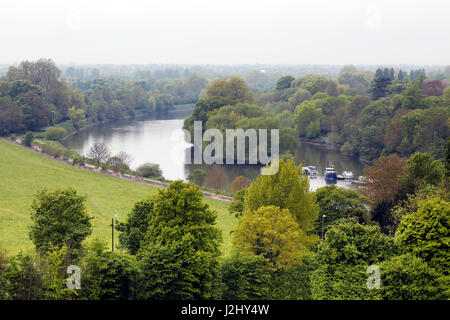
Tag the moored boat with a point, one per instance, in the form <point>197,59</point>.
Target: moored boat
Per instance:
<point>330,173</point>
<point>348,175</point>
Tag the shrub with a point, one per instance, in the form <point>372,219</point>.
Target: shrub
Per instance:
<point>55,134</point>
<point>149,170</point>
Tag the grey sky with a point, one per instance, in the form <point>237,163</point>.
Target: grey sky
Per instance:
<point>227,31</point>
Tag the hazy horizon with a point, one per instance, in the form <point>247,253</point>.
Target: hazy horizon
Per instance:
<point>200,32</point>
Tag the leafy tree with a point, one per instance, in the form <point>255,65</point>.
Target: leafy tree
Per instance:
<point>117,164</point>
<point>446,96</point>
<point>108,275</point>
<point>421,169</point>
<point>59,218</point>
<point>235,89</point>
<point>379,87</point>
<point>240,183</point>
<point>197,176</point>
<point>99,152</point>
<point>56,288</point>
<point>425,233</point>
<point>307,119</point>
<point>132,232</point>
<point>287,189</point>
<point>245,277</point>
<point>42,72</point>
<point>237,206</point>
<point>284,82</point>
<point>11,116</point>
<point>216,179</point>
<point>149,170</point>
<point>413,97</point>
<point>77,117</point>
<point>433,88</point>
<point>336,203</point>
<point>179,256</point>
<point>24,278</point>
<point>275,234</point>
<point>340,264</point>
<point>382,178</point>
<point>407,277</point>
<point>28,139</point>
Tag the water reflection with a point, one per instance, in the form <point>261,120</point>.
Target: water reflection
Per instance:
<point>154,140</point>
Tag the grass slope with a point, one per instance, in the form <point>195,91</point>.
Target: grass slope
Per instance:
<point>23,173</point>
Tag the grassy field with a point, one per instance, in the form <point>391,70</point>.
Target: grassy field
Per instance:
<point>23,173</point>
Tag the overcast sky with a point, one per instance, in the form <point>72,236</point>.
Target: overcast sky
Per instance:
<point>227,31</point>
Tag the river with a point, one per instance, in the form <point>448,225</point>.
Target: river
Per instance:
<point>157,139</point>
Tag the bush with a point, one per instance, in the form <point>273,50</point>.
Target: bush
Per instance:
<point>149,170</point>
<point>28,139</point>
<point>55,134</point>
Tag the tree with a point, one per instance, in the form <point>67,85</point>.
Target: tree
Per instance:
<point>379,86</point>
<point>216,179</point>
<point>433,88</point>
<point>108,275</point>
<point>55,134</point>
<point>307,119</point>
<point>59,218</point>
<point>99,152</point>
<point>336,203</point>
<point>287,189</point>
<point>446,96</point>
<point>179,256</point>
<point>235,89</point>
<point>28,139</point>
<point>425,234</point>
<point>149,170</point>
<point>11,116</point>
<point>274,234</point>
<point>42,72</point>
<point>284,82</point>
<point>237,206</point>
<point>24,277</point>
<point>132,232</point>
<point>407,277</point>
<point>240,183</point>
<point>197,176</point>
<point>245,277</point>
<point>420,170</point>
<point>56,288</point>
<point>413,97</point>
<point>118,163</point>
<point>340,264</point>
<point>383,178</point>
<point>77,117</point>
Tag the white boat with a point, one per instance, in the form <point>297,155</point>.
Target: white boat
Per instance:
<point>313,172</point>
<point>348,175</point>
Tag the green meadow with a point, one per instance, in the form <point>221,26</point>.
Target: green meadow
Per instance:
<point>23,173</point>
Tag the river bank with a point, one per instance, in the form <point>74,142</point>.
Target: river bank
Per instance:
<point>125,176</point>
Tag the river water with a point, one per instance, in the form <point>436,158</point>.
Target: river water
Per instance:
<point>158,139</point>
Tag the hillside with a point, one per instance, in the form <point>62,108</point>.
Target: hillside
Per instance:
<point>23,173</point>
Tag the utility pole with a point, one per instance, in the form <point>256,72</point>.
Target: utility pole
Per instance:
<point>323,226</point>
<point>112,233</point>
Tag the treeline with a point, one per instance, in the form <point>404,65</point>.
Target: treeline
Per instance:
<point>33,96</point>
<point>290,243</point>
<point>363,115</point>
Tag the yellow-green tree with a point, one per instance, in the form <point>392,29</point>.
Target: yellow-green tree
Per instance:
<point>287,189</point>
<point>273,233</point>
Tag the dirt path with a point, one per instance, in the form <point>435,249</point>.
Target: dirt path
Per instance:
<point>89,167</point>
